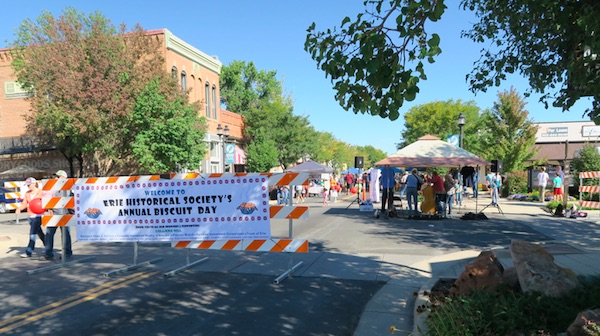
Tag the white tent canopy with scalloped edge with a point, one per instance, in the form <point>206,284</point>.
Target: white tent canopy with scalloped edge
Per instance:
<point>430,151</point>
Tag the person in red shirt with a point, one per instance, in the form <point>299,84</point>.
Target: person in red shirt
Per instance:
<point>35,219</point>
<point>437,182</point>
<point>349,182</point>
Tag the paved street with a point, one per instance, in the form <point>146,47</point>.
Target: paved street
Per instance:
<point>352,255</point>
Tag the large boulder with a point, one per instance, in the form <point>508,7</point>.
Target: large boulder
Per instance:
<point>537,271</point>
<point>584,323</point>
<point>485,272</point>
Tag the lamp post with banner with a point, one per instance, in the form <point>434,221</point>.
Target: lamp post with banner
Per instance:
<point>461,123</point>
<point>223,134</point>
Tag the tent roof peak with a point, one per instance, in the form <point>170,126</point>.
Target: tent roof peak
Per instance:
<point>429,137</point>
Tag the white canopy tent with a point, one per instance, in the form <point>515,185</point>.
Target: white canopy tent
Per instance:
<point>430,151</point>
<point>311,167</point>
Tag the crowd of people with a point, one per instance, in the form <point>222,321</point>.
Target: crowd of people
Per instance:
<point>329,189</point>
<point>450,188</point>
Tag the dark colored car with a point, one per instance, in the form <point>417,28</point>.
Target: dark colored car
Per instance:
<point>4,200</point>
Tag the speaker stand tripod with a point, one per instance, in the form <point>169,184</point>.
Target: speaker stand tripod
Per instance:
<point>497,206</point>
<point>357,200</point>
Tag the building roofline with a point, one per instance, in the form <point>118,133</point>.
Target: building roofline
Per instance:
<point>185,49</point>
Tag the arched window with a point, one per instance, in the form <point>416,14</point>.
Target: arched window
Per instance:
<point>194,94</point>
<point>183,81</point>
<point>207,98</point>
<point>214,101</point>
<point>174,72</point>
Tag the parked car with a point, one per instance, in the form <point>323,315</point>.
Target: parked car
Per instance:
<point>4,201</point>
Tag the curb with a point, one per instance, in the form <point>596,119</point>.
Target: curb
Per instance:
<point>422,304</point>
<point>458,261</point>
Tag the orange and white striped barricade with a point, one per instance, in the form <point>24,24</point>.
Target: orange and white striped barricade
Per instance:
<point>15,186</point>
<point>589,189</point>
<point>289,245</point>
<point>13,196</point>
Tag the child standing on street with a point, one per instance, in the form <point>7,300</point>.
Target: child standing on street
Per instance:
<point>325,196</point>
<point>458,193</point>
<point>334,193</point>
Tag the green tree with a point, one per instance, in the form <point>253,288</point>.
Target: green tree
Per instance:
<point>243,86</point>
<point>441,119</point>
<point>375,61</point>
<point>324,150</point>
<point>262,154</point>
<point>84,75</point>
<point>343,156</point>
<point>292,134</point>
<point>371,155</point>
<point>510,136</point>
<point>167,132</point>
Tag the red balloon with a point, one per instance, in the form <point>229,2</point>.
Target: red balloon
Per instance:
<point>36,206</point>
<point>353,190</point>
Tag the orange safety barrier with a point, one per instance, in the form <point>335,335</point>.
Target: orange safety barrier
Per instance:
<point>590,189</point>
<point>251,245</point>
<point>594,174</point>
<point>593,189</point>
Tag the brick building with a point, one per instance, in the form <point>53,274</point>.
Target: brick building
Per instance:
<point>195,70</point>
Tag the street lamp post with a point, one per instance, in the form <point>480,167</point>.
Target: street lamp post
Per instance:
<point>223,134</point>
<point>461,123</point>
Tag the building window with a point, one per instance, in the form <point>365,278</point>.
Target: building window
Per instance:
<point>214,150</point>
<point>214,101</point>
<point>207,98</point>
<point>174,72</point>
<point>183,81</point>
<point>193,88</point>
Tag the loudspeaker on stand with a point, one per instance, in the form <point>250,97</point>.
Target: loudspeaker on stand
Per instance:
<point>359,162</point>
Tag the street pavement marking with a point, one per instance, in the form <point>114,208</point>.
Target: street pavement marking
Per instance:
<point>58,306</point>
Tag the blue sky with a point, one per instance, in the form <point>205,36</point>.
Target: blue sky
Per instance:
<point>272,33</point>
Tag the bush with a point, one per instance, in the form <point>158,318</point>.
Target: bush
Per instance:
<point>516,183</point>
<point>512,313</point>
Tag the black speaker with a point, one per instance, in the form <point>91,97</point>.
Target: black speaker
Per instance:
<point>359,162</point>
<point>496,166</point>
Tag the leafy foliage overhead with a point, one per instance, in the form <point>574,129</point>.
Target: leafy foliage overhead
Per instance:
<point>376,61</point>
<point>554,44</point>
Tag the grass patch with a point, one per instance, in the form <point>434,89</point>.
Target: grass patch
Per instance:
<point>509,312</point>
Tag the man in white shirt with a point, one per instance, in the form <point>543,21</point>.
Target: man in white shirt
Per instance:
<point>542,178</point>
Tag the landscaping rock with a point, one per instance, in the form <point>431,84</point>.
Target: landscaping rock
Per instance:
<point>485,272</point>
<point>510,279</point>
<point>582,324</point>
<point>537,271</point>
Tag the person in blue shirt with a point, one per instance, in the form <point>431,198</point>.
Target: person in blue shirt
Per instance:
<point>388,182</point>
<point>412,190</point>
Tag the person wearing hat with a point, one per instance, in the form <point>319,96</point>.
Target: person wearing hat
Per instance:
<point>50,231</point>
<point>35,220</point>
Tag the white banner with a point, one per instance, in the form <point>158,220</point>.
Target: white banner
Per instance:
<point>171,210</point>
